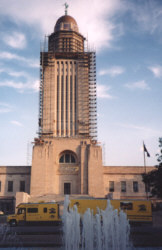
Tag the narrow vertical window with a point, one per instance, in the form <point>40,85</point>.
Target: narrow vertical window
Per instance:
<point>57,103</point>
<point>10,186</point>
<point>135,186</point>
<point>67,188</point>
<point>123,186</point>
<point>71,115</point>
<point>75,94</point>
<point>22,186</point>
<point>67,104</point>
<point>62,104</point>
<point>111,186</point>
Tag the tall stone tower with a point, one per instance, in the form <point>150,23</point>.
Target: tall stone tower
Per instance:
<point>66,156</point>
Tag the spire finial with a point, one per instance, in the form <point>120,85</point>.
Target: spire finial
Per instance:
<point>66,8</point>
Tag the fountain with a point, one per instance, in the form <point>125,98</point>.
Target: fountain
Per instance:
<point>107,230</point>
<point>8,238</point>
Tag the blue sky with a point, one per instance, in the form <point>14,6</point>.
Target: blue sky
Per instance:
<point>127,37</point>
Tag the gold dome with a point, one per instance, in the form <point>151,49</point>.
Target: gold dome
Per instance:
<point>67,23</point>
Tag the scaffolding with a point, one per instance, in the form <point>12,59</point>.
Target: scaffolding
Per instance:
<point>41,87</point>
<point>46,75</point>
<point>85,117</point>
<point>83,94</point>
<point>92,97</point>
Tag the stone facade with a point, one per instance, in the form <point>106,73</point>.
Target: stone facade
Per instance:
<point>131,179</point>
<point>84,175</point>
<point>95,180</point>
<point>13,179</point>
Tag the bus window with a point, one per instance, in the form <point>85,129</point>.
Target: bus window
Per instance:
<point>126,205</point>
<point>45,210</point>
<point>33,210</point>
<point>21,211</point>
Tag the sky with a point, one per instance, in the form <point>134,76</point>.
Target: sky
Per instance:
<point>127,38</point>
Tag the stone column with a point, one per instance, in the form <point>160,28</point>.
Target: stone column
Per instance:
<point>84,168</point>
<point>95,171</point>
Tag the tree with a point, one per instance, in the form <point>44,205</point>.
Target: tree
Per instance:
<point>153,179</point>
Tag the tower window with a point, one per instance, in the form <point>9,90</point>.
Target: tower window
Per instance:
<point>72,159</point>
<point>67,157</point>
<point>62,159</point>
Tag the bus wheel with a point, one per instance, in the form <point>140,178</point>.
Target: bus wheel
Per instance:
<point>13,223</point>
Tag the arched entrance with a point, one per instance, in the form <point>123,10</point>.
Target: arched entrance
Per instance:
<point>67,164</point>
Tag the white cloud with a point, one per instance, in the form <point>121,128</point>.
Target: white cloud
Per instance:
<point>113,71</point>
<point>28,82</point>
<point>13,73</point>
<point>33,63</point>
<point>5,107</point>
<point>102,92</point>
<point>21,86</point>
<point>156,70</point>
<point>19,124</point>
<point>138,85</point>
<point>99,17</point>
<point>15,40</point>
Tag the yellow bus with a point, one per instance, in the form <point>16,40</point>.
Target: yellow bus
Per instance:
<point>35,213</point>
<point>136,210</point>
<point>48,213</point>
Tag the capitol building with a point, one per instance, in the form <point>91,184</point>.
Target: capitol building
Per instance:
<point>67,158</point>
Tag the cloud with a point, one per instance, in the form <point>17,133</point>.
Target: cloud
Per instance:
<point>138,85</point>
<point>102,92</point>
<point>15,40</point>
<point>19,124</point>
<point>148,14</point>
<point>100,17</point>
<point>144,130</point>
<point>21,86</point>
<point>113,71</point>
<point>5,107</point>
<point>156,70</point>
<point>13,73</point>
<point>28,82</point>
<point>33,63</point>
